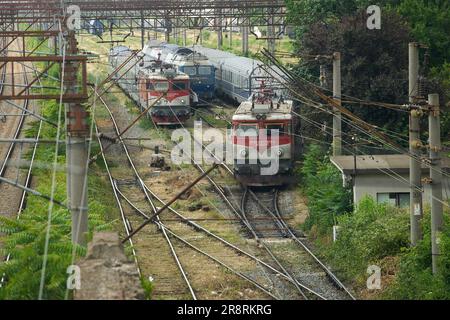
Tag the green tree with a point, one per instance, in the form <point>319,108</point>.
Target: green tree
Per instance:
<point>374,62</point>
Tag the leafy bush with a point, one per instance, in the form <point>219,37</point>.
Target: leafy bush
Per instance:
<point>322,183</point>
<point>415,279</point>
<point>372,232</point>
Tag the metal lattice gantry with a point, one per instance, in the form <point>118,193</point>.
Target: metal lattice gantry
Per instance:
<point>190,14</point>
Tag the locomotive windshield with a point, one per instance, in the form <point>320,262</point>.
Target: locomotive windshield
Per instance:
<point>179,85</point>
<point>204,71</point>
<point>161,86</point>
<point>190,71</point>
<point>277,127</point>
<point>247,130</point>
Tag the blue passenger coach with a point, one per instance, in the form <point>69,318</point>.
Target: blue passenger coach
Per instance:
<point>194,64</point>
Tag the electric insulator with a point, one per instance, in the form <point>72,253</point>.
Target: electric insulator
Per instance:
<point>422,86</point>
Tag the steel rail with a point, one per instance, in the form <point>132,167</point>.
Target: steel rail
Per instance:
<point>27,179</point>
<point>160,223</point>
<point>15,136</point>
<point>240,215</point>
<point>172,249</point>
<point>294,281</point>
<point>144,186</point>
<point>134,169</point>
<point>330,274</point>
<point>119,205</point>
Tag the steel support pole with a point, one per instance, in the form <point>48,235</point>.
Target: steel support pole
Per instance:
<point>414,147</point>
<point>436,178</point>
<point>76,151</point>
<point>337,117</point>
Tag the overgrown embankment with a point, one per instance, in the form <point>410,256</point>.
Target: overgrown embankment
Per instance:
<point>25,239</point>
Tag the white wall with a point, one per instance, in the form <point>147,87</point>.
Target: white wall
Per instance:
<point>371,184</point>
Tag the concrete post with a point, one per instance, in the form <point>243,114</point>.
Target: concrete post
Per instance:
<point>271,34</point>
<point>184,37</point>
<point>219,37</point>
<point>168,27</point>
<point>337,118</point>
<point>414,147</point>
<point>436,178</point>
<point>76,151</point>
<point>245,31</point>
<point>230,35</point>
<point>142,30</point>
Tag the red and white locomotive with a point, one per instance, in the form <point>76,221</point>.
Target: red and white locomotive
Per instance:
<point>150,80</point>
<point>264,142</point>
<point>172,88</point>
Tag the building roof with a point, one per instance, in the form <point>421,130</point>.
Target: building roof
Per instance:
<point>377,163</point>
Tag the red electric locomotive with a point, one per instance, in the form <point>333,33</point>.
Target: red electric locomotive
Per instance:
<point>264,142</point>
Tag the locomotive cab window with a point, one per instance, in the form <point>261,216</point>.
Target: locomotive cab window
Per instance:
<point>246,130</point>
<point>280,127</point>
<point>179,85</point>
<point>161,86</point>
<point>150,86</point>
<point>190,71</point>
<point>204,71</point>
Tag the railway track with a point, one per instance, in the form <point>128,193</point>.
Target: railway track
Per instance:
<point>12,156</point>
<point>263,225</point>
<point>252,209</point>
<point>314,273</point>
<point>249,216</point>
<point>185,232</point>
<point>29,170</point>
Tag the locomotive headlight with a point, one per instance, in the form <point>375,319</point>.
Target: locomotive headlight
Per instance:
<point>280,152</point>
<point>243,153</point>
<point>182,101</point>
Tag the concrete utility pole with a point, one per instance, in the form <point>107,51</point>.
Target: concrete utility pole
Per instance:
<point>200,36</point>
<point>414,146</point>
<point>230,35</point>
<point>271,34</point>
<point>168,26</point>
<point>76,150</point>
<point>142,30</point>
<point>219,36</point>
<point>245,31</point>
<point>337,117</point>
<point>184,37</point>
<point>436,178</point>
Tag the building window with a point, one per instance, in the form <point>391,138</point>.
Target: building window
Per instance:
<point>396,199</point>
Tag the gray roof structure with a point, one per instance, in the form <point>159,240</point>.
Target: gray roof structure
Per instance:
<point>398,163</point>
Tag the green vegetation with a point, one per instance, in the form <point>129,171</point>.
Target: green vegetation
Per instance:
<point>322,184</point>
<point>372,234</point>
<point>374,62</point>
<point>24,239</point>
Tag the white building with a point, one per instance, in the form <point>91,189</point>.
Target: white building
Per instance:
<point>385,177</point>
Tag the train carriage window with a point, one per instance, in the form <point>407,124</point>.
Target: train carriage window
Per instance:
<point>150,86</point>
<point>247,130</point>
<point>179,85</point>
<point>190,71</point>
<point>280,127</point>
<point>204,71</point>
